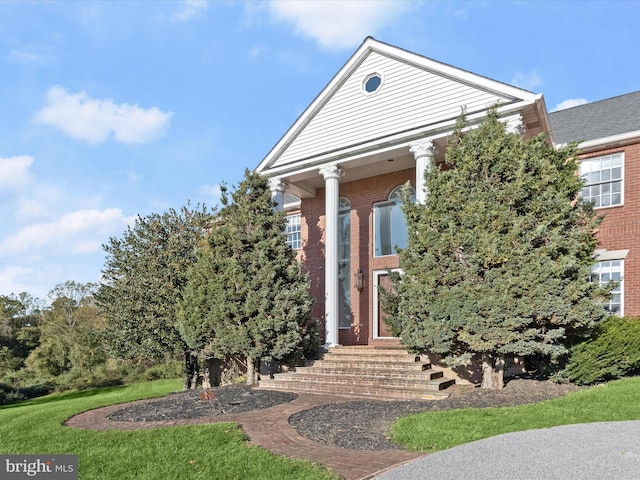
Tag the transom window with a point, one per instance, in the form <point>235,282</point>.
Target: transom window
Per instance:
<point>294,231</point>
<point>390,228</point>
<point>603,180</point>
<point>604,272</point>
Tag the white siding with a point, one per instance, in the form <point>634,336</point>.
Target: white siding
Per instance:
<point>408,98</point>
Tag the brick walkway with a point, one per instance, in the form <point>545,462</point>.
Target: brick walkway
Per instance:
<point>270,429</point>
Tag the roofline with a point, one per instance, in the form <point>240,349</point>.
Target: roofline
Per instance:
<point>611,141</point>
<point>370,44</point>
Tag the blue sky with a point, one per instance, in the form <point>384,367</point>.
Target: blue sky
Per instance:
<point>110,110</point>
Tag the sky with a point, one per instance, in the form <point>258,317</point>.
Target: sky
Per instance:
<point>110,110</point>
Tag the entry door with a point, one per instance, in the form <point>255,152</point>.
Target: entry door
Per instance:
<point>380,328</point>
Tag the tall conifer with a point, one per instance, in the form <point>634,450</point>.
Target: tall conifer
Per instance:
<point>246,295</point>
<point>498,257</point>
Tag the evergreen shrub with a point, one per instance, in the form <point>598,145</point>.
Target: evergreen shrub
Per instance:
<point>612,352</point>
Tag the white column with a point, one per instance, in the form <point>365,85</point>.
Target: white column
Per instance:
<point>277,187</point>
<point>423,153</point>
<point>331,176</point>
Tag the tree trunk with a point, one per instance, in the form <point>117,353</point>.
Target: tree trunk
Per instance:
<point>253,370</point>
<point>191,372</point>
<point>212,376</point>
<point>492,371</point>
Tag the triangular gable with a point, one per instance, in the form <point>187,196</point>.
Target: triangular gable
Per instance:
<point>416,92</point>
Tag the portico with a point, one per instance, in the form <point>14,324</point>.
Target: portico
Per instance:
<point>382,121</point>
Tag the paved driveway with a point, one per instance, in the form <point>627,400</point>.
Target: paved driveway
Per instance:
<point>591,451</point>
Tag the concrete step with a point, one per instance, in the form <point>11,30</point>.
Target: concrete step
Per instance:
<point>368,380</point>
<point>369,372</point>
<point>350,390</point>
<point>360,364</point>
<point>365,372</point>
<point>370,353</point>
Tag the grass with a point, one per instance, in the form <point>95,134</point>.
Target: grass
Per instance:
<point>614,401</point>
<point>217,451</point>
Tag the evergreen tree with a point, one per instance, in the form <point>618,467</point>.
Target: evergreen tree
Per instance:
<point>498,257</point>
<point>246,295</point>
<point>144,276</point>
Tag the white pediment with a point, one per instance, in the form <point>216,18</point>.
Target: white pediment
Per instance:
<point>416,94</point>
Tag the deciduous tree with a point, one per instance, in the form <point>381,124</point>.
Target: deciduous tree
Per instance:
<point>144,276</point>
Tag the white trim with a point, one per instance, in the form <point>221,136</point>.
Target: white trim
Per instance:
<point>383,203</point>
<point>620,283</point>
<point>375,146</point>
<point>376,276</point>
<point>363,88</point>
<point>612,141</point>
<point>622,175</point>
<point>603,255</point>
<point>521,98</point>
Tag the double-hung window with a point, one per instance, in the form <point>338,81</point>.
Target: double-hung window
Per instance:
<point>294,231</point>
<point>603,180</point>
<point>610,271</point>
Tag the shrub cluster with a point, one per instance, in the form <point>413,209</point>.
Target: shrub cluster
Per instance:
<point>612,352</point>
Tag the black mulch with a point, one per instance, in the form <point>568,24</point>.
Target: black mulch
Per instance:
<point>228,400</point>
<point>359,424</point>
<point>363,425</point>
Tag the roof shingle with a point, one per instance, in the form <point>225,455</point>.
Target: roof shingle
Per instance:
<point>604,118</point>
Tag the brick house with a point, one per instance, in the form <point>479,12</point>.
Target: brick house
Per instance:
<point>609,136</point>
<point>379,123</point>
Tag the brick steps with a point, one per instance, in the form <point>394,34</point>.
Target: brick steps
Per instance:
<point>365,372</point>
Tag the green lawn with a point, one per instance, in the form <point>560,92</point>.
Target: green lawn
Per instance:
<point>614,401</point>
<point>215,451</point>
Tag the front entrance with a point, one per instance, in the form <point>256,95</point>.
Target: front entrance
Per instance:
<point>380,328</point>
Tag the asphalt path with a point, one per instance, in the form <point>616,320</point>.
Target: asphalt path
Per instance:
<point>589,451</point>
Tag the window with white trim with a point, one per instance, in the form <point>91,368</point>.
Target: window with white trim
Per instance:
<point>390,227</point>
<point>610,271</point>
<point>603,180</point>
<point>294,231</point>
<point>344,263</point>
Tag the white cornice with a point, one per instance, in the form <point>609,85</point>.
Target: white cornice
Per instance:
<point>521,97</point>
<point>606,142</point>
<point>609,142</point>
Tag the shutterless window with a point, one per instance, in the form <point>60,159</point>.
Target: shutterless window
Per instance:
<point>390,225</point>
<point>603,180</point>
<point>344,263</point>
<point>294,231</point>
<point>604,272</point>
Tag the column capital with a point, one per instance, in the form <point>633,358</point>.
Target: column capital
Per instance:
<point>423,149</point>
<point>276,184</point>
<point>331,172</point>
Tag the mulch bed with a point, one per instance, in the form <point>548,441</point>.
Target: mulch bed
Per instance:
<point>363,424</point>
<point>233,399</point>
<point>358,424</point>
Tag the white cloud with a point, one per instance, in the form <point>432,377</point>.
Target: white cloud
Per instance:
<point>26,58</point>
<point>12,279</point>
<point>14,172</point>
<point>94,120</point>
<point>337,24</point>
<point>83,231</point>
<point>190,10</point>
<point>529,81</point>
<point>570,102</point>
<point>213,191</point>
